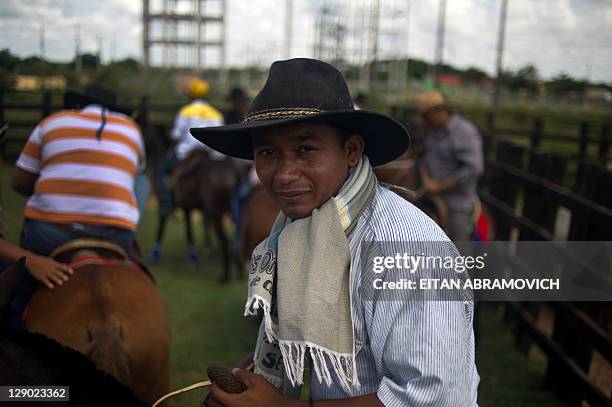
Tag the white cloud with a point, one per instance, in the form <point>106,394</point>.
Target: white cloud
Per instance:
<point>573,36</point>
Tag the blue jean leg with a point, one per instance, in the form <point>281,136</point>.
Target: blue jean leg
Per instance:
<point>162,174</point>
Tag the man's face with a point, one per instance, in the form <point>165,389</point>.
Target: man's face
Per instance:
<point>437,117</point>
<point>303,165</point>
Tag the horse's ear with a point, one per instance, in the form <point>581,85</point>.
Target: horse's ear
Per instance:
<point>9,279</point>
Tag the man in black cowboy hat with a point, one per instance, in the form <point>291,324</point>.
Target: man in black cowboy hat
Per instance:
<point>317,278</point>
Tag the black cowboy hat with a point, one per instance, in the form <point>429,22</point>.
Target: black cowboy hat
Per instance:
<point>91,95</point>
<point>307,90</point>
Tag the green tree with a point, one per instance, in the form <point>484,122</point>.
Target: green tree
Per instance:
<point>8,61</point>
<point>526,78</point>
<point>563,84</point>
<point>7,79</point>
<point>417,68</point>
<point>473,74</point>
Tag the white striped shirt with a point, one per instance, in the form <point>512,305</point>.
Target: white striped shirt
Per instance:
<point>409,353</point>
<point>82,178</point>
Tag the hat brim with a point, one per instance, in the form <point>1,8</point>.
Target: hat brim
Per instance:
<point>385,138</point>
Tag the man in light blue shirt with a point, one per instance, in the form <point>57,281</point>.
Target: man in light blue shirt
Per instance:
<point>311,278</point>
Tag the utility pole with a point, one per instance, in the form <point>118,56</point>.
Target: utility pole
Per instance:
<point>113,48</point>
<point>364,71</point>
<point>99,43</point>
<point>500,52</point>
<point>43,66</point>
<point>404,66</point>
<point>288,27</point>
<point>223,47</point>
<point>374,27</point>
<point>145,35</point>
<point>78,63</point>
<point>440,41</point>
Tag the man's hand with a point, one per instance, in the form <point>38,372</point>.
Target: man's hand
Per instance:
<point>48,271</point>
<point>430,185</point>
<point>435,187</point>
<point>259,393</point>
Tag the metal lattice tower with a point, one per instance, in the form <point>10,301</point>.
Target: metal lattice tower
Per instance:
<point>179,33</point>
<point>330,34</point>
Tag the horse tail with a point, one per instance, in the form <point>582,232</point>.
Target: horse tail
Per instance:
<point>107,349</point>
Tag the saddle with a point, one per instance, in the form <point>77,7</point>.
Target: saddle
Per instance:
<point>82,252</point>
<point>189,166</point>
<point>88,247</point>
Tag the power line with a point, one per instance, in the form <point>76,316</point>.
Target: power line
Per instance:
<point>440,41</point>
<point>501,36</point>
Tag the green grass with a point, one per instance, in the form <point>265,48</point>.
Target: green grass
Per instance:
<point>507,377</point>
<point>207,322</point>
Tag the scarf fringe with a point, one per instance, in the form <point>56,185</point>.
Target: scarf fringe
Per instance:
<point>255,303</point>
<point>343,365</point>
<point>324,361</point>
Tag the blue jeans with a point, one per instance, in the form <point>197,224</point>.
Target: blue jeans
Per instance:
<point>42,238</point>
<point>162,181</point>
<point>142,188</point>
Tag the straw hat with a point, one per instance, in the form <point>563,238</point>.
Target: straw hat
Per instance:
<point>429,100</point>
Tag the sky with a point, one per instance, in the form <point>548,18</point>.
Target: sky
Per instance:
<point>571,36</point>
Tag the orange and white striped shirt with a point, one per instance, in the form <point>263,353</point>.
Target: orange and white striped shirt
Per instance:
<point>83,179</point>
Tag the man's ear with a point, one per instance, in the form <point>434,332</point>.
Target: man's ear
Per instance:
<point>354,146</point>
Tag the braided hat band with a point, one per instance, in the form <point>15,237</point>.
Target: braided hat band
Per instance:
<point>280,113</point>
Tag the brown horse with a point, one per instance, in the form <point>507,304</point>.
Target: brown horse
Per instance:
<point>402,177</point>
<point>207,185</point>
<point>200,184</point>
<point>258,216</point>
<point>110,311</point>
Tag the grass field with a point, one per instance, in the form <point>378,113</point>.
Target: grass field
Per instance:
<point>207,323</point>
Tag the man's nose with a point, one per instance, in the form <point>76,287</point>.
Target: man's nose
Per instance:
<point>287,170</point>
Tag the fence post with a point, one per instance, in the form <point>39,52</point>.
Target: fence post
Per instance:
<point>536,134</point>
<point>46,104</point>
<point>1,106</point>
<point>604,143</point>
<point>584,140</point>
<point>2,139</point>
<point>503,186</point>
<point>143,114</point>
<point>491,123</point>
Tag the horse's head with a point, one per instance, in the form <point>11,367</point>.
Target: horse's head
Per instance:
<point>8,281</point>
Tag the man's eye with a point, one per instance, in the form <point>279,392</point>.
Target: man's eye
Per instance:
<point>305,149</point>
<point>265,152</point>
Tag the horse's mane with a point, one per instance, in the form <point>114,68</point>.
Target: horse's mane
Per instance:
<point>39,360</point>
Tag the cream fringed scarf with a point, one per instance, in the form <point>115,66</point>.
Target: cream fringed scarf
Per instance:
<point>300,277</point>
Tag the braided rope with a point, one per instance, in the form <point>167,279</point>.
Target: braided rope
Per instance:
<point>191,387</point>
<point>280,113</point>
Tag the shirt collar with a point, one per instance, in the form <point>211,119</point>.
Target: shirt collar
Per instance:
<point>452,122</point>
<point>92,108</point>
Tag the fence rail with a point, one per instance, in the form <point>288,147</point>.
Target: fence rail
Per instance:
<point>523,190</point>
<point>595,133</point>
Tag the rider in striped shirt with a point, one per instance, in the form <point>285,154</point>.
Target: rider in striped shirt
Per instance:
<point>78,169</point>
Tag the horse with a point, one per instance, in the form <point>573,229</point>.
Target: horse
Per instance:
<point>208,185</point>
<point>258,216</point>
<point>32,359</point>
<point>110,311</point>
<point>200,183</point>
<point>402,177</point>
